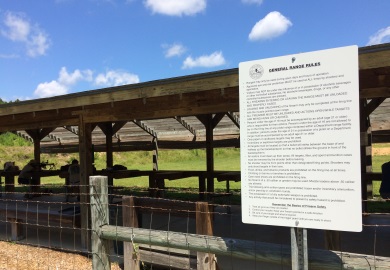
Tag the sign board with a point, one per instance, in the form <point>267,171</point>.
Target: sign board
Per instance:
<point>300,140</point>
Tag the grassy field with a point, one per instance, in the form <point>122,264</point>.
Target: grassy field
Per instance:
<point>225,159</point>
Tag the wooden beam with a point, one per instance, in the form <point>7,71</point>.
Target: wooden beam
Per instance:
<point>372,105</point>
<point>371,78</point>
<point>235,119</point>
<point>22,135</point>
<point>72,129</point>
<point>146,146</point>
<point>45,132</point>
<point>166,107</point>
<point>217,118</point>
<point>145,127</point>
<point>27,124</point>
<point>117,126</point>
<point>185,124</point>
<point>375,92</point>
<point>374,56</point>
<point>173,86</point>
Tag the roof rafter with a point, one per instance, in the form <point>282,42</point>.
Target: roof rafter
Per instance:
<point>186,125</point>
<point>234,117</point>
<point>142,125</point>
<point>23,136</point>
<point>72,129</point>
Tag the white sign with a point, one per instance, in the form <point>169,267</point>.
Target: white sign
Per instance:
<point>300,140</point>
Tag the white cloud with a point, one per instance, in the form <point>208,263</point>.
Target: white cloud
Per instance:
<point>62,85</point>
<point>176,7</point>
<point>65,81</point>
<point>49,89</point>
<point>271,26</point>
<point>38,45</point>
<point>212,60</point>
<point>115,78</point>
<point>257,2</point>
<point>66,78</point>
<point>173,50</point>
<point>17,28</point>
<point>9,56</point>
<point>382,36</point>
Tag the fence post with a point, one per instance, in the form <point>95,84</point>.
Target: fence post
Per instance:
<point>299,254</point>
<point>130,219</point>
<point>99,217</point>
<point>204,225</point>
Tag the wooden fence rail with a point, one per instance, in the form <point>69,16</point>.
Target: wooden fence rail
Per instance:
<point>235,248</point>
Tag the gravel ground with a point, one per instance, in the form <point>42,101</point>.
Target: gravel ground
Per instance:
<point>14,256</point>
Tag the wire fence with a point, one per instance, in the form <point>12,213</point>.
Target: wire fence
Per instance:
<point>47,231</point>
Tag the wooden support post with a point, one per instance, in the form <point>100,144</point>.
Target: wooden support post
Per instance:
<point>210,123</point>
<point>36,181</point>
<point>130,219</point>
<point>202,187</point>
<point>85,151</point>
<point>160,184</point>
<point>207,121</point>
<point>109,156</point>
<point>210,156</point>
<point>99,217</point>
<point>152,185</point>
<point>36,136</point>
<point>204,226</point>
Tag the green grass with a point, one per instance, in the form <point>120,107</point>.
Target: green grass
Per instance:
<point>377,162</point>
<point>224,159</point>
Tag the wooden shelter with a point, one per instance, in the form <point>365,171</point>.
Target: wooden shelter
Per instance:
<point>197,111</point>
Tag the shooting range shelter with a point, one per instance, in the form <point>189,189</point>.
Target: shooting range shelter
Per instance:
<point>196,111</point>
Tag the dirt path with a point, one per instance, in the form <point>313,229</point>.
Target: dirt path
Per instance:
<point>381,151</point>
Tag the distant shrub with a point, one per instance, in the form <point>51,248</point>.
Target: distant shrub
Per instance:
<point>10,139</point>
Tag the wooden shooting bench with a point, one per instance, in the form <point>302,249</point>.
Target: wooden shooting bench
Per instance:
<point>229,176</point>
<point>159,177</point>
<point>9,176</point>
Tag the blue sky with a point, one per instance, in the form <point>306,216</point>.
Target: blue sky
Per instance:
<point>55,47</point>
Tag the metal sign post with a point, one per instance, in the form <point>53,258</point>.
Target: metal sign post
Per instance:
<point>299,254</point>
